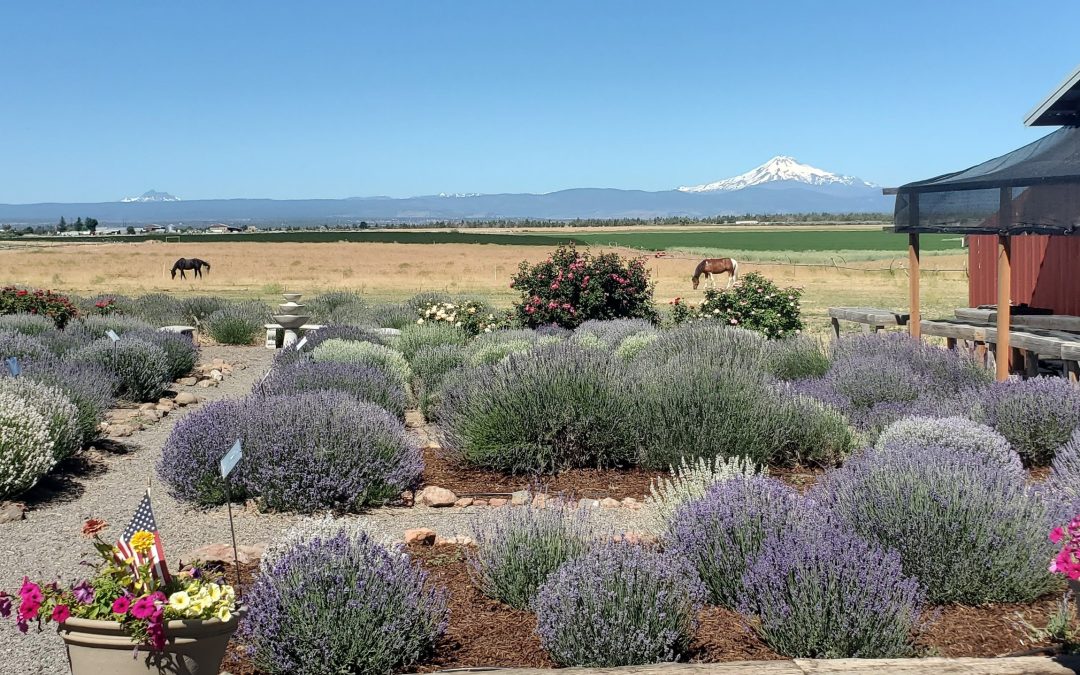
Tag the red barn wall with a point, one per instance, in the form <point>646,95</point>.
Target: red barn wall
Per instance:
<point>1045,271</point>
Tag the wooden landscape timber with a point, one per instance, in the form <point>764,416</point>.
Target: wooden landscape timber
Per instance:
<point>1022,665</point>
<point>872,319</point>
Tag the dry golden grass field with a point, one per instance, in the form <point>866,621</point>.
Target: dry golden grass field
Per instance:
<point>395,271</point>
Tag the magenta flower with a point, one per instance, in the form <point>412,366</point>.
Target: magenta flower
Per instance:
<point>5,605</point>
<point>61,613</point>
<point>121,605</point>
<point>144,607</point>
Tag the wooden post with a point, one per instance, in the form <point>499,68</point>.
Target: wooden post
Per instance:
<point>1004,284</point>
<point>915,319</point>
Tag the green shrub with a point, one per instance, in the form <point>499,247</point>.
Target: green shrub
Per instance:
<point>554,408</point>
<point>98,326</point>
<point>393,315</point>
<point>690,480</point>
<point>430,365</point>
<point>338,308</point>
<point>710,342</point>
<point>692,408</point>
<point>796,358</point>
<point>60,414</point>
<point>516,549</point>
<point>632,345</point>
<point>388,360</point>
<point>142,367</point>
<point>45,303</point>
<point>197,309</point>
<point>571,287</point>
<point>238,324</point>
<point>26,453</point>
<point>755,303</point>
<point>415,336</point>
<point>158,309</point>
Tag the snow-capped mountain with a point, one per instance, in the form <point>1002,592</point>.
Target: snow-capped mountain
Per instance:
<point>779,168</point>
<point>152,196</point>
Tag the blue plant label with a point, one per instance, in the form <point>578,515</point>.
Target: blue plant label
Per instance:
<point>229,461</point>
<point>13,365</point>
<point>112,335</point>
<point>300,345</point>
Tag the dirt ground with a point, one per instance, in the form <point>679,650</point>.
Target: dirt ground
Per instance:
<point>396,271</point>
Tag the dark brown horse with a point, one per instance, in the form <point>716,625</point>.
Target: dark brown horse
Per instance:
<point>711,266</point>
<point>189,264</point>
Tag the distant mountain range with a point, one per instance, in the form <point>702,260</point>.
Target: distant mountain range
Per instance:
<point>781,185</point>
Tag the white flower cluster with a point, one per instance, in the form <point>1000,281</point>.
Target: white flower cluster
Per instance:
<point>203,600</point>
<point>461,315</point>
<point>26,451</point>
<point>690,481</point>
<point>61,415</point>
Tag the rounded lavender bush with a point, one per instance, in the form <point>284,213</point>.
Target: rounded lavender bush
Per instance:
<point>181,352</point>
<point>21,346</point>
<point>363,382</point>
<point>619,605</point>
<point>342,603</point>
<point>141,367</point>
<point>1037,415</point>
<point>92,388</point>
<point>815,591</point>
<point>720,532</point>
<point>1062,488</point>
<point>971,531</point>
<point>303,452</point>
<point>553,408</point>
<point>61,415</point>
<point>516,549</point>
<point>956,433</point>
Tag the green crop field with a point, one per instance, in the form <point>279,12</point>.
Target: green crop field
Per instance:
<point>774,239</point>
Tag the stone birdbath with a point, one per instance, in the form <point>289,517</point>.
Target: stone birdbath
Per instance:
<point>291,318</point>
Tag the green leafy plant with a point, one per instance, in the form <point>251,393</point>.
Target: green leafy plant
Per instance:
<point>755,303</point>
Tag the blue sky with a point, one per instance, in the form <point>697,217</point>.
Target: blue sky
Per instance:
<point>335,99</point>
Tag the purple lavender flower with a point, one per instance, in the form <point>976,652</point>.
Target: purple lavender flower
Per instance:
<point>816,591</point>
<point>619,605</point>
<point>342,603</point>
<point>1037,415</point>
<point>721,532</point>
<point>364,382</point>
<point>970,530</point>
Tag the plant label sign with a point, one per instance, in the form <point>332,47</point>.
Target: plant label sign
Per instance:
<point>13,365</point>
<point>112,335</point>
<point>229,461</point>
<point>300,345</point>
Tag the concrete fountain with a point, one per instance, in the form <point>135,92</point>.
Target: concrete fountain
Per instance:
<point>291,318</point>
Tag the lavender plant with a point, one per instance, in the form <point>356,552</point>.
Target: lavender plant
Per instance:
<point>363,382</point>
<point>796,358</point>
<point>181,352</point>
<point>430,365</point>
<point>342,603</point>
<point>709,342</point>
<point>609,333</point>
<point>954,433</point>
<point>697,407</point>
<point>26,324</point>
<point>971,531</point>
<point>157,309</point>
<point>351,333</point>
<point>619,605</point>
<point>141,367</point>
<point>303,452</point>
<point>390,361</point>
<point>97,326</point>
<point>1037,415</point>
<point>238,323</point>
<point>393,315</point>
<point>62,342</point>
<point>338,308</point>
<point>415,336</point>
<point>197,309</point>
<point>21,346</point>
<point>60,414</point>
<point>632,345</point>
<point>517,549</point>
<point>26,453</point>
<point>816,591</point>
<point>1062,488</point>
<point>553,408</point>
<point>90,387</point>
<point>722,531</point>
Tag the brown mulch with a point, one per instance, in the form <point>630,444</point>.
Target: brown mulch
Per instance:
<point>580,483</point>
<point>484,632</point>
<point>989,630</point>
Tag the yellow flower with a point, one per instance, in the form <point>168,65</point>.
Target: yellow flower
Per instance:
<point>215,592</point>
<point>224,614</point>
<point>142,541</point>
<point>179,601</point>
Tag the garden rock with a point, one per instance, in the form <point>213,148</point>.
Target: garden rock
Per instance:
<point>464,501</point>
<point>188,381</point>
<point>223,553</point>
<point>146,406</point>
<point>609,503</point>
<point>437,496</point>
<point>216,375</point>
<point>186,398</point>
<point>519,498</point>
<point>206,384</point>
<point>11,512</point>
<point>498,501</point>
<point>420,535</point>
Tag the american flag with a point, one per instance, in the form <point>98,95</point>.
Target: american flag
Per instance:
<point>144,520</point>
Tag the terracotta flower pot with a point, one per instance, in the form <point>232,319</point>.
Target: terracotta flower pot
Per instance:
<point>194,647</point>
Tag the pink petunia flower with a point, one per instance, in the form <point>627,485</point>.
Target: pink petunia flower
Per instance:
<point>61,613</point>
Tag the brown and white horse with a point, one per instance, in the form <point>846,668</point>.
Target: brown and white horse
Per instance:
<point>711,266</point>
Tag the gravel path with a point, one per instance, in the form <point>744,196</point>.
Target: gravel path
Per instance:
<point>47,544</point>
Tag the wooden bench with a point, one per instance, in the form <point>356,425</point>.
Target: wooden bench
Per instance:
<point>1028,344</point>
<point>1062,322</point>
<point>871,318</point>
